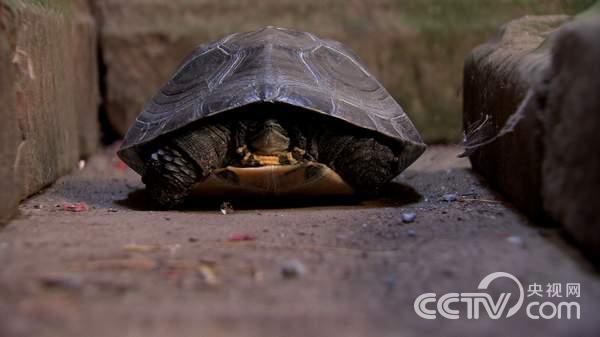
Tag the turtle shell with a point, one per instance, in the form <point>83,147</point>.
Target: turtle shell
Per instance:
<point>272,65</point>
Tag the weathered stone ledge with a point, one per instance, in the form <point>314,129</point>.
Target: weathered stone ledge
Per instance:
<point>549,165</point>
<point>49,94</point>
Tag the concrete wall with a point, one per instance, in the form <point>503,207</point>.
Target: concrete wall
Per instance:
<point>9,136</point>
<point>49,99</point>
<point>571,167</point>
<point>498,76</point>
<point>549,165</point>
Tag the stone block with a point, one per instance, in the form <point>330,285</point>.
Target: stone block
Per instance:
<point>49,93</point>
<point>9,136</point>
<point>498,76</point>
<point>546,70</point>
<point>571,166</point>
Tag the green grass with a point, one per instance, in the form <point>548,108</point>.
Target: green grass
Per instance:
<point>442,21</point>
<point>592,11</point>
<point>454,16</point>
<point>576,6</point>
<point>449,29</point>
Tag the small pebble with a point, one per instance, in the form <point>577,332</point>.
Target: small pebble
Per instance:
<point>68,282</point>
<point>408,217</point>
<point>241,237</point>
<point>76,207</point>
<point>193,239</point>
<point>390,283</point>
<point>544,232</point>
<point>516,240</point>
<point>173,249</point>
<point>450,197</point>
<point>293,269</point>
<point>412,233</point>
<point>226,208</point>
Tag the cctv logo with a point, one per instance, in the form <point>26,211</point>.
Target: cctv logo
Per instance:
<point>474,301</point>
<point>429,306</point>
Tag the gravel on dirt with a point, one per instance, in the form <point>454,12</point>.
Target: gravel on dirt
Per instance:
<point>141,271</point>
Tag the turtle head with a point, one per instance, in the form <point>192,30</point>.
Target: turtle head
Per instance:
<point>269,137</point>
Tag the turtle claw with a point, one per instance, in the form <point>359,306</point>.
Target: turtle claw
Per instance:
<point>169,177</point>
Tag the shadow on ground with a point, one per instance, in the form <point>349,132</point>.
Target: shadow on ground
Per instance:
<point>394,194</point>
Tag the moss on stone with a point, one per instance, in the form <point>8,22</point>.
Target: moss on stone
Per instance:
<point>592,11</point>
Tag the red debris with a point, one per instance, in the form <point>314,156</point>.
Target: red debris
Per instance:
<point>172,274</point>
<point>241,237</point>
<point>77,207</point>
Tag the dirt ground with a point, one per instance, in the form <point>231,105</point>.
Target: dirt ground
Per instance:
<point>115,266</point>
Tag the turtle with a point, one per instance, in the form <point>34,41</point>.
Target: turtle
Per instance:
<point>270,112</point>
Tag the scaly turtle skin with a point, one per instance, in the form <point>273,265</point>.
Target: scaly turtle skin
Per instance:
<point>273,111</point>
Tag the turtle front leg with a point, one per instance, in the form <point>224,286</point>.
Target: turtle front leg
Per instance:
<point>364,163</point>
<point>189,156</point>
<point>169,176</point>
